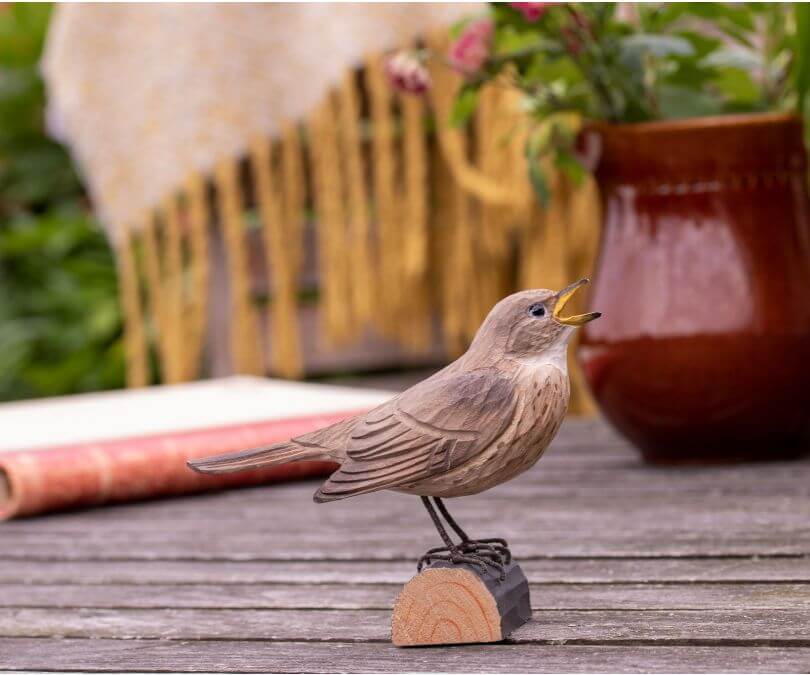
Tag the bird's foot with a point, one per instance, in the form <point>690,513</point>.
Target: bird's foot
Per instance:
<point>494,548</point>
<point>484,562</point>
<point>485,554</point>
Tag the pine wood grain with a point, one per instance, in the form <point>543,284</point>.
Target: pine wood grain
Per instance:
<point>445,606</point>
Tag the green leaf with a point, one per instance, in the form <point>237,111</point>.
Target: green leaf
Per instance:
<point>735,56</point>
<point>733,19</point>
<point>568,163</point>
<point>690,74</point>
<point>464,105</point>
<point>701,43</point>
<point>59,314</point>
<point>658,45</point>
<point>679,102</point>
<point>539,184</point>
<point>514,38</point>
<point>536,176</point>
<point>23,26</point>
<point>739,89</point>
<point>801,67</point>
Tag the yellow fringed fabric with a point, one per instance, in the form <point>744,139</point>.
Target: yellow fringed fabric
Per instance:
<point>331,224</point>
<point>443,227</point>
<point>389,251</point>
<point>544,262</point>
<point>358,216</point>
<point>461,282</point>
<point>411,226</point>
<point>498,192</point>
<point>293,201</point>
<point>281,268</point>
<point>199,262</point>
<point>415,333</point>
<point>415,183</point>
<point>137,364</point>
<point>154,285</point>
<point>175,318</point>
<point>496,126</point>
<point>244,338</point>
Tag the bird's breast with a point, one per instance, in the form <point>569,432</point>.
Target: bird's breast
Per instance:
<point>544,396</point>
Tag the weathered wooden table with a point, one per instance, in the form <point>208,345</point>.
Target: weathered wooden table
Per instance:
<point>633,568</point>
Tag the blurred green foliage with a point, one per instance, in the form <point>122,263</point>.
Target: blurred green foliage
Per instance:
<point>635,62</point>
<point>60,324</point>
<point>639,62</point>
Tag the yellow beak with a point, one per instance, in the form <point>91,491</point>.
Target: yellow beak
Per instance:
<point>563,297</point>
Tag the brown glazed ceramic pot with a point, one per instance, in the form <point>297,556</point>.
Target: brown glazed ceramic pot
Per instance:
<point>703,350</point>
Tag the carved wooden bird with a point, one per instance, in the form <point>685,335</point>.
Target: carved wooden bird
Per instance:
<point>482,420</point>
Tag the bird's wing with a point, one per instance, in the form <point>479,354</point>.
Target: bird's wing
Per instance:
<point>428,430</point>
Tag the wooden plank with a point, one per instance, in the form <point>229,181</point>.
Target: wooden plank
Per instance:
<point>225,567</point>
<point>550,479</point>
<point>588,486</point>
<point>367,547</point>
<point>350,596</point>
<point>477,513</point>
<point>562,477</point>
<point>286,657</point>
<point>546,528</point>
<point>772,487</point>
<point>562,570</point>
<point>783,627</point>
<point>710,517</point>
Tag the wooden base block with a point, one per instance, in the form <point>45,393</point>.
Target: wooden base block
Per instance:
<point>458,604</point>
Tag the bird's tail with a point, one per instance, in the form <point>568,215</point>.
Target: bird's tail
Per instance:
<point>255,458</point>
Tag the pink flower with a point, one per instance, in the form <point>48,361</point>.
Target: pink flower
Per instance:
<point>407,73</point>
<point>531,11</point>
<point>472,48</point>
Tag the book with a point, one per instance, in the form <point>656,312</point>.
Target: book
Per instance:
<point>93,449</point>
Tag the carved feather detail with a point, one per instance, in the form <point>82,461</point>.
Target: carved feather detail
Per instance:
<point>430,429</point>
<point>480,421</point>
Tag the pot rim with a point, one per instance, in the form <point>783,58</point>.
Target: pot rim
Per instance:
<point>693,123</point>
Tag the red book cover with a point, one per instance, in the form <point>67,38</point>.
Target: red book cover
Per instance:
<point>94,473</point>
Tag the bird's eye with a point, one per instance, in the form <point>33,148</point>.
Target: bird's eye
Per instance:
<point>537,310</point>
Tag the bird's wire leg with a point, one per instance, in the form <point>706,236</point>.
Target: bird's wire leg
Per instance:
<point>450,552</point>
<point>495,546</point>
<point>448,542</point>
<point>450,520</point>
<point>479,555</point>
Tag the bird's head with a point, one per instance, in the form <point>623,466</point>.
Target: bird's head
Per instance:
<point>531,323</point>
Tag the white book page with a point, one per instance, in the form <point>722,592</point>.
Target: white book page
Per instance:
<point>47,422</point>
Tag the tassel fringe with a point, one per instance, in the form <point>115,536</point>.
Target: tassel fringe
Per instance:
<point>411,225</point>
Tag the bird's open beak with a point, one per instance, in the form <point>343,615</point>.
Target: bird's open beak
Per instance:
<point>563,297</point>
